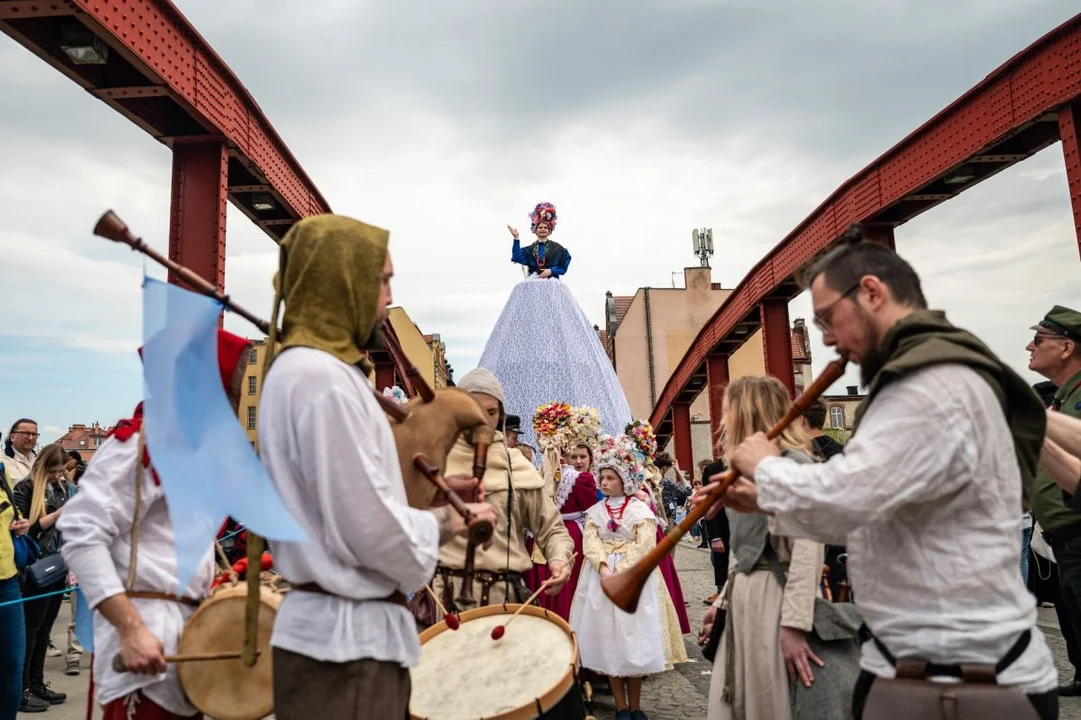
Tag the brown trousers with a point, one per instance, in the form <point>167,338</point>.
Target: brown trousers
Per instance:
<point>360,689</point>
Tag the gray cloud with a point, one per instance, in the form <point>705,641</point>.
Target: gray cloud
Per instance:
<point>444,122</point>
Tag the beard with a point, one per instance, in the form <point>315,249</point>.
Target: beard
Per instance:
<point>877,354</point>
<point>376,339</point>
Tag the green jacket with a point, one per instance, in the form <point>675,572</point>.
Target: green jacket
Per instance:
<point>927,338</point>
<point>1052,506</point>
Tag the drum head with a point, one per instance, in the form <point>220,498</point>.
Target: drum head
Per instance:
<point>465,674</point>
<point>227,689</point>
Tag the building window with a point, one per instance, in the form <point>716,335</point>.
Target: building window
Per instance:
<point>253,356</point>
<point>837,417</point>
<point>251,418</point>
<point>251,384</point>
<point>97,441</point>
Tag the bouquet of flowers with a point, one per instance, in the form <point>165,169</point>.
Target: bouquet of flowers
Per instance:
<point>641,432</point>
<point>396,394</point>
<point>551,421</point>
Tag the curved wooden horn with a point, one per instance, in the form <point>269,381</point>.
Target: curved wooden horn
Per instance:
<point>625,588</point>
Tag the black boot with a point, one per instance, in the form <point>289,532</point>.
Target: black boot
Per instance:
<point>1071,690</point>
<point>43,692</point>
<point>31,703</point>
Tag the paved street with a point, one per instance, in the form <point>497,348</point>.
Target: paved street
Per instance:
<point>676,695</point>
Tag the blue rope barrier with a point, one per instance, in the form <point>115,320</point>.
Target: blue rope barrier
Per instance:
<point>73,588</point>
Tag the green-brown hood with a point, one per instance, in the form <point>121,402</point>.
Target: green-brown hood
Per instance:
<point>927,338</point>
<point>330,271</point>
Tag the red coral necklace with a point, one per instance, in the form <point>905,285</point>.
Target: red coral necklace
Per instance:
<point>614,518</point>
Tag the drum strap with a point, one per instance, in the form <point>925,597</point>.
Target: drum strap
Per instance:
<point>397,597</point>
<point>148,595</point>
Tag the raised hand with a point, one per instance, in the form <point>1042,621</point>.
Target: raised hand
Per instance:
<point>513,232</point>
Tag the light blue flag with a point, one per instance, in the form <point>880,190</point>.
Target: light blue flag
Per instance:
<point>207,466</point>
<point>84,622</point>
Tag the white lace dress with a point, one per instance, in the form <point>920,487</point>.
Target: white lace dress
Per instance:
<point>610,641</point>
<point>544,349</point>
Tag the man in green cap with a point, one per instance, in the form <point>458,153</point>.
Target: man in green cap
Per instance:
<point>1055,353</point>
<point>344,638</point>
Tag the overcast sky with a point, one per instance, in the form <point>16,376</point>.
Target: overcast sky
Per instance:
<point>444,122</point>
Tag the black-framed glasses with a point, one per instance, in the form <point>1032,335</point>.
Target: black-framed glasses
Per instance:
<point>821,320</point>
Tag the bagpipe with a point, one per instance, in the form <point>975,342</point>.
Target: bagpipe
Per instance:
<point>223,653</point>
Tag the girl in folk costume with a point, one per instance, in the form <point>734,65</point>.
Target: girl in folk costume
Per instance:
<point>128,570</point>
<point>619,531</point>
<point>764,667</point>
<point>640,432</point>
<point>575,489</point>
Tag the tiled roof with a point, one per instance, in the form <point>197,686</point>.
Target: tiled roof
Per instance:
<point>799,347</point>
<point>623,304</point>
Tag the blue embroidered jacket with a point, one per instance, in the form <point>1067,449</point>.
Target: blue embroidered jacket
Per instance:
<point>539,256</point>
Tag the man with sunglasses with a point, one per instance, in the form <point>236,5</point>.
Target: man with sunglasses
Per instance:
<point>1055,353</point>
<point>927,495</point>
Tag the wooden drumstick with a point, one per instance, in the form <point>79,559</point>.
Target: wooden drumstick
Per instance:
<point>120,667</point>
<point>451,618</point>
<point>498,630</point>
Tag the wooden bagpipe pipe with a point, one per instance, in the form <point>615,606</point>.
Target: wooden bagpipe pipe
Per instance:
<point>625,588</point>
<point>425,429</point>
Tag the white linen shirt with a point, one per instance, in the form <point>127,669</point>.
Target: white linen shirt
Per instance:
<point>96,526</point>
<point>328,447</point>
<point>927,499</point>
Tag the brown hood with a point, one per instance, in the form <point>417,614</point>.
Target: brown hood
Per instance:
<point>330,271</point>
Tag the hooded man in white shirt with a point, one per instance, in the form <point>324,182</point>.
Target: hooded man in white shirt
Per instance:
<point>344,638</point>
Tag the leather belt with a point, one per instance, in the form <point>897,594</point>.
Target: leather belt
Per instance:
<point>486,578</point>
<point>397,597</point>
<point>149,595</point>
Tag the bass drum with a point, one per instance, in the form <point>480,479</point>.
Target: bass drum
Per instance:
<point>529,673</point>
<point>227,689</point>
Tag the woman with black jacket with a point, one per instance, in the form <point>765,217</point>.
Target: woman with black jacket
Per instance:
<point>40,498</point>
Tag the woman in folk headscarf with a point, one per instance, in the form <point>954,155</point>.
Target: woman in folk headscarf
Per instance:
<point>517,492</point>
<point>640,432</point>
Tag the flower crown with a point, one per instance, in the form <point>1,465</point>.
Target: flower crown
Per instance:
<point>396,394</point>
<point>621,455</point>
<point>560,426</point>
<point>550,423</point>
<point>641,433</point>
<point>544,212</point>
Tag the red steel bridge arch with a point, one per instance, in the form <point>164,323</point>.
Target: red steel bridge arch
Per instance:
<point>161,74</point>
<point>1027,104</point>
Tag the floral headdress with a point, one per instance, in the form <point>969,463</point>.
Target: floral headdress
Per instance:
<point>544,212</point>
<point>585,427</point>
<point>641,433</point>
<point>621,454</point>
<point>550,423</point>
<point>396,394</point>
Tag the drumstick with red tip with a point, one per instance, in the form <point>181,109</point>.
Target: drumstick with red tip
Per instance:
<point>498,630</point>
<point>451,618</point>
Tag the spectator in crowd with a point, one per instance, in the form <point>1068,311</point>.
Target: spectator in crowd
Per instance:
<point>19,449</point>
<point>1055,353</point>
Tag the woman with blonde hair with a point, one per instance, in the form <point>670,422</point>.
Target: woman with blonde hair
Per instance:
<point>764,668</point>
<point>40,498</point>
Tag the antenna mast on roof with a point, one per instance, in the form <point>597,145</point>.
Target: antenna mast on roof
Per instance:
<point>702,239</point>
